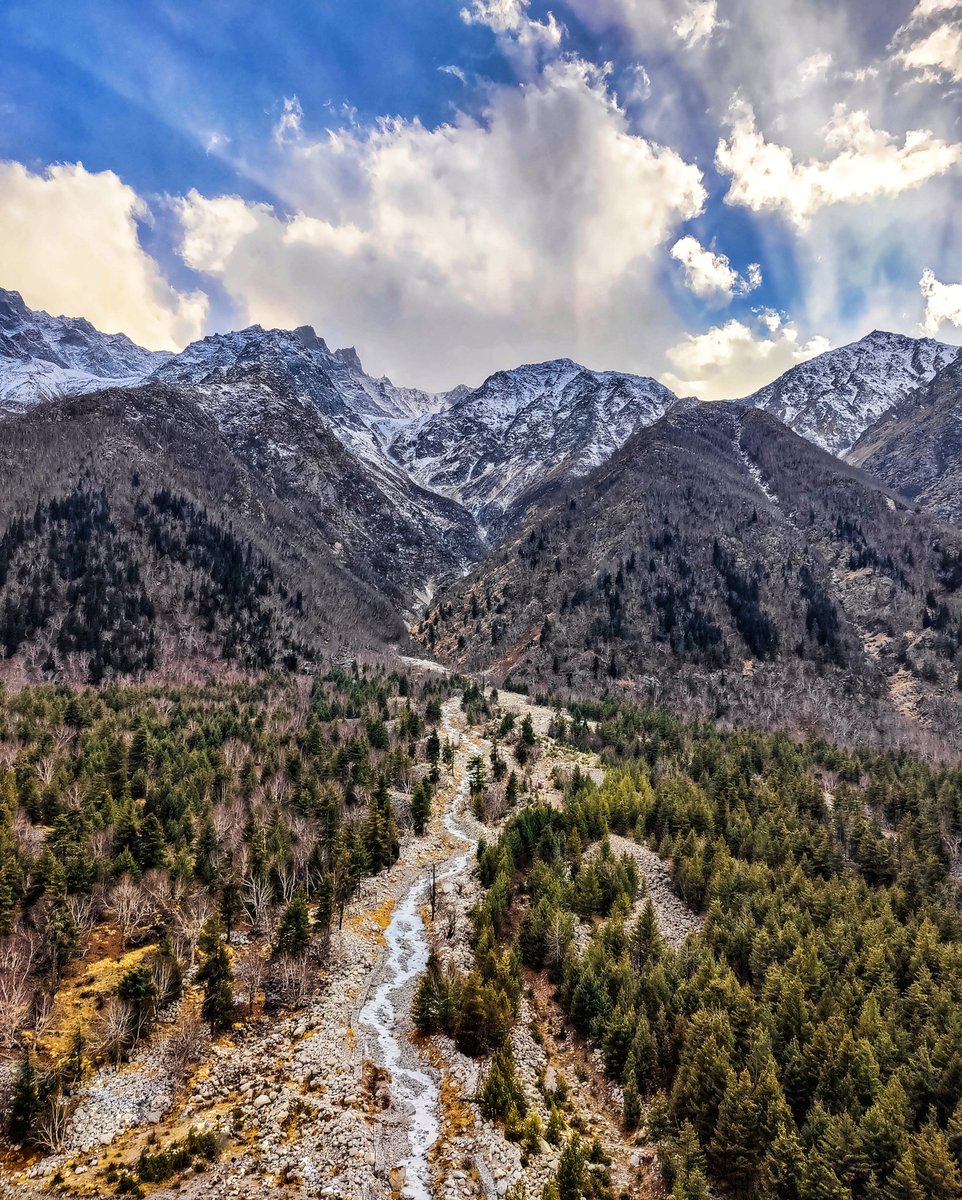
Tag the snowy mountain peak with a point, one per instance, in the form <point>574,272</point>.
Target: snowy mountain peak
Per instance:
<point>833,398</point>
<point>524,430</point>
<point>43,356</point>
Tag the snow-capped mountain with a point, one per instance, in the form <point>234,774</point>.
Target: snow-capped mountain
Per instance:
<point>498,447</point>
<point>356,407</point>
<point>42,356</point>
<point>834,398</point>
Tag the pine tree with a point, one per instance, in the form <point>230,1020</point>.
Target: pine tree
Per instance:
<point>294,932</point>
<point>151,844</point>
<point>501,1097</point>
<point>215,977</point>
<point>571,1170</point>
<point>421,806</point>
<point>231,905</point>
<point>139,992</point>
<point>470,1031</point>
<point>24,1102</point>
<point>735,1148</point>
<point>430,1006</point>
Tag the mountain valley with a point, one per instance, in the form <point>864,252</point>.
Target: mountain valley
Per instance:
<point>539,791</point>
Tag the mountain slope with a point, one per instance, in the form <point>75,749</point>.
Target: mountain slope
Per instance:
<point>42,357</point>
<point>916,448</point>
<point>833,398</point>
<point>524,433</point>
<point>225,555</point>
<point>722,563</point>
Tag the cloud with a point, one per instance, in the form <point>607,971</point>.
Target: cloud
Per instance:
<point>735,359</point>
<point>937,55</point>
<point>868,164</point>
<point>814,68</point>
<point>525,39</point>
<point>711,275</point>
<point>530,231</point>
<point>288,127</point>
<point>69,243</point>
<point>698,23</point>
<point>943,303</point>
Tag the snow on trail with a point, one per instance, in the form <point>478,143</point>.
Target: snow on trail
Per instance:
<point>415,1092</point>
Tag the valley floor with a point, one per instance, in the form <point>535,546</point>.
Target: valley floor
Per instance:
<point>341,1098</point>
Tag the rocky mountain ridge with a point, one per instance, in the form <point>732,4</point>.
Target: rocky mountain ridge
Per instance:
<point>42,357</point>
<point>833,398</point>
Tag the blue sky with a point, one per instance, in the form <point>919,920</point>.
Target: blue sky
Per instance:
<point>705,190</point>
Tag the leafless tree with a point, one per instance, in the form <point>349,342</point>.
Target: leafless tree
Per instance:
<point>28,836</point>
<point>187,1041</point>
<point>84,911</point>
<point>191,917</point>
<point>129,906</point>
<point>250,967</point>
<point>294,977</point>
<point>44,1003</point>
<point>16,986</point>
<point>260,905</point>
<point>115,1029</point>
<point>52,1124</point>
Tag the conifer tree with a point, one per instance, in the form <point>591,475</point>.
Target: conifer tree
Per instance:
<point>215,977</point>
<point>294,932</point>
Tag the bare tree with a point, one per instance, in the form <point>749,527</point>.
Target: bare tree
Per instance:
<point>251,968</point>
<point>84,912</point>
<point>190,919</point>
<point>294,977</point>
<point>187,1041</point>
<point>129,906</point>
<point>16,986</point>
<point>260,905</point>
<point>115,1029</point>
<point>52,1125</point>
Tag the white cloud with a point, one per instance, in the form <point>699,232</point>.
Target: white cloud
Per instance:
<point>929,8</point>
<point>943,303</point>
<point>69,244</point>
<point>735,359</point>
<point>937,55</point>
<point>526,233</point>
<point>711,275</point>
<point>698,23</point>
<point>527,39</point>
<point>814,68</point>
<point>868,164</point>
<point>288,127</point>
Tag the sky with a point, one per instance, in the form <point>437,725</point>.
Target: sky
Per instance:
<point>707,191</point>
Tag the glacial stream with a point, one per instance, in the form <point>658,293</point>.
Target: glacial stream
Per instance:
<point>415,1092</point>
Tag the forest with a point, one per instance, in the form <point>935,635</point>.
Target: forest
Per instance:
<point>193,844</point>
<point>805,1044</point>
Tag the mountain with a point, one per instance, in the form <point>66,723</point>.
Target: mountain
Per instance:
<point>723,564</point>
<point>524,433</point>
<point>138,534</point>
<point>334,381</point>
<point>916,448</point>
<point>42,357</point>
<point>833,398</point>
<point>275,394</point>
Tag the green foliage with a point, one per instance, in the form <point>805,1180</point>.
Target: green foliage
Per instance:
<point>215,977</point>
<point>294,932</point>
<point>806,1043</point>
<point>195,1150</point>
